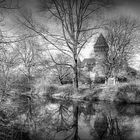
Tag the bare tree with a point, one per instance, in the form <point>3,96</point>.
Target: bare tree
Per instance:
<point>28,54</point>
<point>62,72</point>
<point>7,64</point>
<point>73,17</point>
<point>121,33</point>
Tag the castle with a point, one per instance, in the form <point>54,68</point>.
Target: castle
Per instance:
<point>95,66</point>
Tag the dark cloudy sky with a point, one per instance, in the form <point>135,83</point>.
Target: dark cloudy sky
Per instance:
<point>128,7</point>
<point>117,8</point>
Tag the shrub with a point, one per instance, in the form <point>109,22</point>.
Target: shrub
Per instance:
<point>67,90</point>
<point>128,94</point>
<point>99,80</point>
<point>66,82</point>
<point>51,89</point>
<point>23,84</point>
<point>122,79</point>
<point>14,133</point>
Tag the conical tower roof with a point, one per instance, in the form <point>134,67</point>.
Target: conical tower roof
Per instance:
<point>101,44</point>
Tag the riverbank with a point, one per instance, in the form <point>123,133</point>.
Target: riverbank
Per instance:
<point>123,93</point>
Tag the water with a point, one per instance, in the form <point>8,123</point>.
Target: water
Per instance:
<point>73,120</point>
<point>91,121</point>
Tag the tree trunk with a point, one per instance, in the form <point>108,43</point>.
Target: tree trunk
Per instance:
<point>75,121</point>
<point>29,73</point>
<point>60,79</point>
<point>75,81</point>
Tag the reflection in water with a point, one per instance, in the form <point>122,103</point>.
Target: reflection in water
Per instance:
<point>73,120</point>
<point>92,121</point>
<point>74,133</point>
<point>128,110</point>
<point>100,123</point>
<point>95,121</point>
<point>109,128</point>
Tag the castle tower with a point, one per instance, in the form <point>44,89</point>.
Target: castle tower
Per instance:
<point>101,51</point>
<point>101,48</point>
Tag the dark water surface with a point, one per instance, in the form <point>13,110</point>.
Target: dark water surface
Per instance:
<point>90,121</point>
<point>76,120</point>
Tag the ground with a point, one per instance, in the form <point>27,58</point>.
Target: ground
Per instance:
<point>121,92</point>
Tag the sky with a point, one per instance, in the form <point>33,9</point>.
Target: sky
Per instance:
<point>120,7</point>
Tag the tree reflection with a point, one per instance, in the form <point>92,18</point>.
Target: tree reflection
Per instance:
<point>58,120</point>
<point>128,109</point>
<point>107,127</point>
<point>74,133</point>
<point>62,119</point>
<point>87,109</point>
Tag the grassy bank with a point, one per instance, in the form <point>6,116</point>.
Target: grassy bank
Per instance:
<point>123,93</point>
